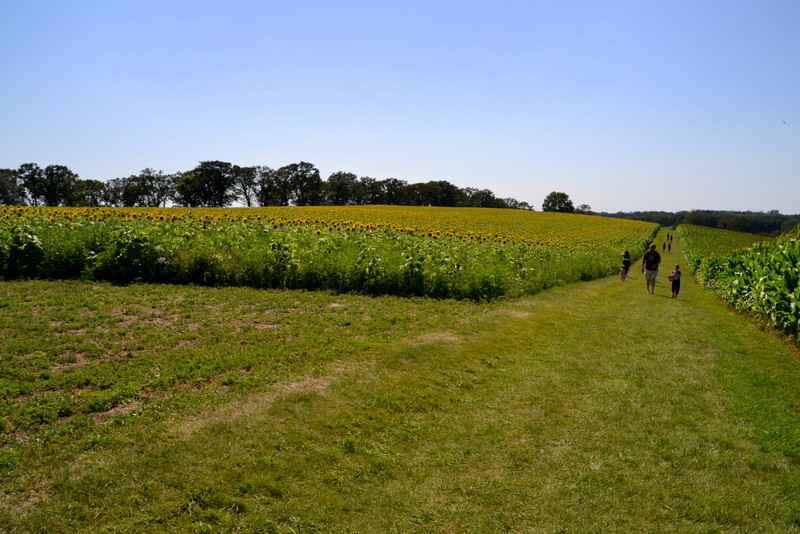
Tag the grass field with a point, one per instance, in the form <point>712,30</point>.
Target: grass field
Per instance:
<point>594,407</point>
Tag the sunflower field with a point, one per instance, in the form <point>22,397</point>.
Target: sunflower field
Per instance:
<point>461,253</point>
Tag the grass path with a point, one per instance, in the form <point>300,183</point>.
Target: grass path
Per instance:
<point>591,408</point>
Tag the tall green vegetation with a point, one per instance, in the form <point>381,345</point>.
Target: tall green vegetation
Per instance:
<point>761,279</point>
<point>313,256</point>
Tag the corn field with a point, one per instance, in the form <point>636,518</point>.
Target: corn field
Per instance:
<point>762,279</point>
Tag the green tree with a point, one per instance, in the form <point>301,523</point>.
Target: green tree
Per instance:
<point>189,190</point>
<point>370,190</point>
<point>281,187</point>
<point>307,184</point>
<point>299,184</point>
<point>482,198</point>
<point>266,186</point>
<point>133,191</point>
<point>89,193</point>
<point>59,186</point>
<point>245,184</point>
<point>515,204</point>
<point>10,190</point>
<point>112,194</point>
<point>342,189</point>
<point>31,179</point>
<point>210,184</point>
<point>414,195</point>
<point>700,218</point>
<point>443,193</point>
<point>137,190</point>
<point>154,187</point>
<point>737,223</point>
<point>559,202</point>
<point>393,191</point>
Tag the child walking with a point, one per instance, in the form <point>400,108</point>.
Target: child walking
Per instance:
<point>675,278</point>
<point>626,264</point>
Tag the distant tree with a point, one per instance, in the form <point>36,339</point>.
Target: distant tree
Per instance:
<point>297,184</point>
<point>414,195</point>
<point>342,189</point>
<point>559,202</point>
<point>443,193</point>
<point>89,193</point>
<point>469,198</point>
<point>148,189</point>
<point>135,191</point>
<point>189,190</point>
<point>126,192</point>
<point>306,184</point>
<point>245,184</point>
<point>112,194</point>
<point>699,218</point>
<point>371,191</point>
<point>584,208</point>
<point>736,223</point>
<point>210,184</point>
<point>154,187</point>
<point>266,186</point>
<point>31,179</point>
<point>663,218</point>
<point>482,198</point>
<point>58,186</point>
<point>393,191</point>
<point>10,191</point>
<point>516,204</point>
<point>282,193</point>
<point>789,224</point>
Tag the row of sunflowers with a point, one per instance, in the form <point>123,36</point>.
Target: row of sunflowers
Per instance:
<point>462,253</point>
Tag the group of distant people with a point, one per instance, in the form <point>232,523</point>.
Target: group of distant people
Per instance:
<point>650,262</point>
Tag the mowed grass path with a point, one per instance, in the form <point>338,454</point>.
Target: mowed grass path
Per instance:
<point>590,408</point>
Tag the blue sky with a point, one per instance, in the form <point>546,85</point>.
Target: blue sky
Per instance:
<point>623,105</point>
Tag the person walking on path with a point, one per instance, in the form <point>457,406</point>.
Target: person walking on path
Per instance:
<point>626,265</point>
<point>650,262</point>
<point>675,278</point>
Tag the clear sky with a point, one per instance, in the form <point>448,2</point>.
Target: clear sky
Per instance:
<point>623,105</point>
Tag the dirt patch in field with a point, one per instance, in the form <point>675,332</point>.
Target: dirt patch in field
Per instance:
<point>445,337</point>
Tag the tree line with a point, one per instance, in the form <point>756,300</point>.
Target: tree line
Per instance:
<point>772,222</point>
<point>222,184</point>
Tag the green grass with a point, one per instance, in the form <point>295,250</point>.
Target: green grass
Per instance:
<point>590,408</point>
